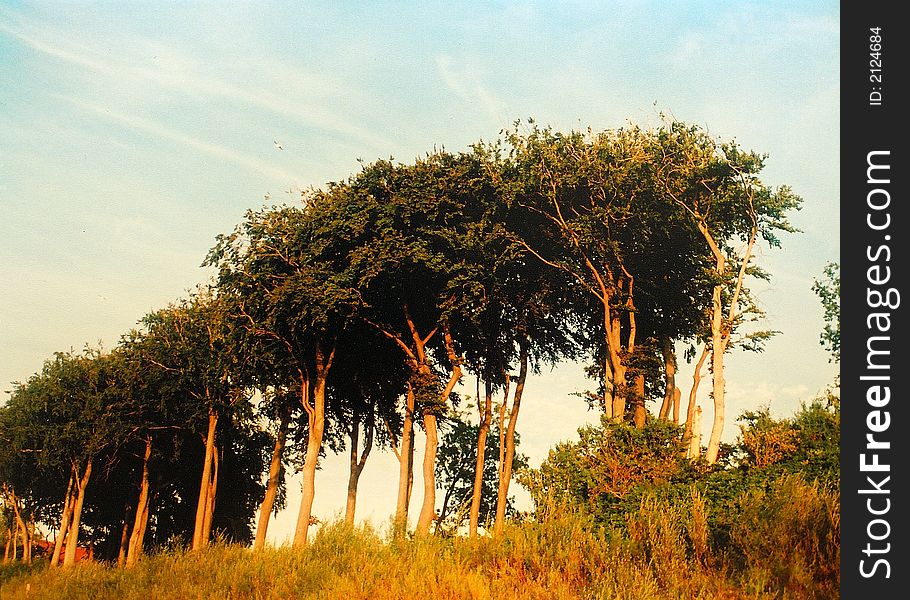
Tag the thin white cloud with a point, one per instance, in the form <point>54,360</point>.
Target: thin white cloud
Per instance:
<point>467,85</point>
<point>176,71</point>
<point>169,133</point>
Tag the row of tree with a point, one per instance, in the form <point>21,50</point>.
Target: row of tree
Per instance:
<point>349,320</point>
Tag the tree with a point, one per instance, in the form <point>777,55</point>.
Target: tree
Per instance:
<point>456,473</point>
<point>828,292</point>
<point>189,342</point>
<point>398,227</point>
<point>716,185</point>
<point>598,207</point>
<point>70,418</point>
<point>283,294</point>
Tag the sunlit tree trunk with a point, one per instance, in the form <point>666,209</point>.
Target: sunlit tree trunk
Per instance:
<point>271,488</point>
<point>677,396</point>
<point>142,510</point>
<point>72,538</point>
<point>65,518</point>
<point>639,415</point>
<point>505,469</point>
<point>210,499</point>
<point>695,441</point>
<point>405,464</point>
<point>316,425</point>
<point>22,530</point>
<point>124,538</point>
<point>692,430</point>
<point>200,539</point>
<point>357,465</point>
<point>721,330</point>
<point>486,415</point>
<point>670,392</point>
<point>428,508</point>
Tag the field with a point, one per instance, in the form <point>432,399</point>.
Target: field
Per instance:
<point>781,544</point>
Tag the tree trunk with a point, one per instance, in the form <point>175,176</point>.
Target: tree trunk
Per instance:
<point>428,509</point>
<point>486,414</point>
<point>65,518</point>
<point>210,499</point>
<point>505,478</point>
<point>670,374</point>
<point>718,348</point>
<point>693,408</point>
<point>124,538</point>
<point>501,424</point>
<point>199,539</point>
<point>271,488</point>
<point>695,441</point>
<point>677,395</point>
<point>72,538</point>
<point>640,411</point>
<point>617,369</point>
<point>405,464</point>
<point>721,330</point>
<point>316,425</point>
<point>21,528</point>
<point>142,510</point>
<point>357,465</point>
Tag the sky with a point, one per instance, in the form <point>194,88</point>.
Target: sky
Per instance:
<point>133,133</point>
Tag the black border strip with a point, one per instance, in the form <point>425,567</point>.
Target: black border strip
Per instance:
<point>874,225</point>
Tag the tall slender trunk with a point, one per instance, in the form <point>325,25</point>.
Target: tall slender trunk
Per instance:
<point>505,478</point>
<point>670,376</point>
<point>316,425</point>
<point>357,465</point>
<point>271,488</point>
<point>200,539</point>
<point>142,510</point>
<point>124,538</point>
<point>65,518</point>
<point>405,464</point>
<point>692,408</point>
<point>501,424</point>
<point>22,529</point>
<point>695,441</point>
<point>72,538</point>
<point>210,499</point>
<point>640,414</point>
<point>428,508</point>
<point>617,369</point>
<point>486,415</point>
<point>677,396</point>
<point>721,330</point>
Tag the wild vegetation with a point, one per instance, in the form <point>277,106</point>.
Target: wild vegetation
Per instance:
<point>346,322</point>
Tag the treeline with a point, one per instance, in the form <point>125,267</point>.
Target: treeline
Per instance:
<point>347,321</point>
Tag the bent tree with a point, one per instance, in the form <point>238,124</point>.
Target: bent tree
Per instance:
<point>716,186</point>
<point>281,294</point>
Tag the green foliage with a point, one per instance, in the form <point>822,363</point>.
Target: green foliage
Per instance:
<point>611,466</point>
<point>828,291</point>
<point>455,471</point>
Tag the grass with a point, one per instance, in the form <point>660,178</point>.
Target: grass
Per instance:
<point>664,552</point>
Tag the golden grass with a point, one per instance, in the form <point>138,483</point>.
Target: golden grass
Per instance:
<point>663,553</point>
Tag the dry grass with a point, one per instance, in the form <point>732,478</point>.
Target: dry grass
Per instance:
<point>664,552</point>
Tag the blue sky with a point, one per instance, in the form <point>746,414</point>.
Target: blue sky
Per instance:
<point>131,134</point>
